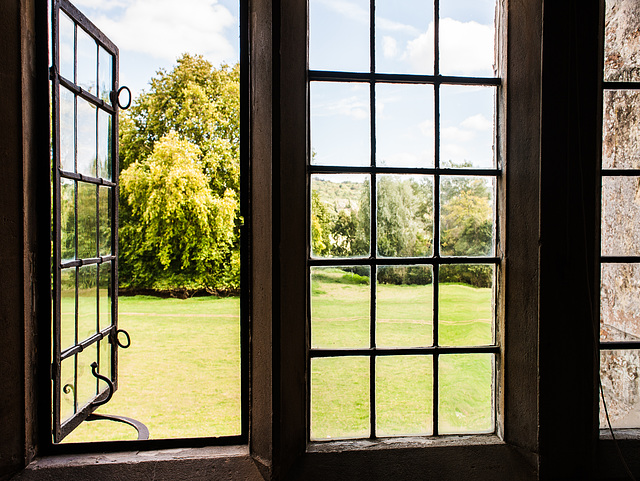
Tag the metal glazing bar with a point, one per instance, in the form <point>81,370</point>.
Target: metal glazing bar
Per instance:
<point>81,346</point>
<point>334,76</point>
<point>620,259</point>
<point>79,18</point>
<point>620,172</point>
<point>404,351</point>
<point>87,179</point>
<point>373,243</point>
<point>619,345</point>
<point>89,97</point>
<point>621,85</point>
<point>85,262</point>
<point>402,261</point>
<point>328,169</point>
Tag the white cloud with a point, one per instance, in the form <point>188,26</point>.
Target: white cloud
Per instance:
<point>477,122</point>
<point>360,14</point>
<point>426,128</point>
<point>457,134</point>
<point>166,29</point>
<point>466,48</point>
<point>389,47</point>
<point>347,107</point>
<point>101,5</point>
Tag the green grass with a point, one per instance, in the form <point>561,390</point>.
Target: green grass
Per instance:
<point>181,375</point>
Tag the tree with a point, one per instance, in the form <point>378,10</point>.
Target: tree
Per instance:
<point>180,175</point>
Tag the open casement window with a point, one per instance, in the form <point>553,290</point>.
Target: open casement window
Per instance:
<point>84,91</point>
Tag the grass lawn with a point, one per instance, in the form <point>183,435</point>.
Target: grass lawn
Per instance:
<point>181,375</point>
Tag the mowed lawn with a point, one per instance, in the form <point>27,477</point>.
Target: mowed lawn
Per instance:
<point>181,375</point>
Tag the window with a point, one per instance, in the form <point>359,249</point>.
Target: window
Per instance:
<point>620,247</point>
<point>404,247</point>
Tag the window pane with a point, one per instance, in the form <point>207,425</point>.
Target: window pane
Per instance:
<point>467,126</point>
<point>466,305</point>
<point>87,301</point>
<point>466,216</point>
<point>87,382</point>
<point>404,306</point>
<point>66,46</point>
<point>465,393</point>
<point>466,37</point>
<point>105,295</point>
<point>340,210</point>
<point>87,130</point>
<point>619,306</point>
<point>404,395</point>
<point>405,215</point>
<point>340,397</point>
<point>404,37</point>
<point>620,214</point>
<point>621,45</point>
<point>339,35</point>
<point>67,219</point>
<point>104,145</point>
<point>67,130</point>
<point>68,388</point>
<point>620,378</point>
<point>87,62</point>
<point>340,124</point>
<point>404,125</point>
<point>340,307</point>
<point>104,204</point>
<point>67,308</point>
<point>621,131</point>
<point>104,364</point>
<point>105,73</point>
<point>87,207</point>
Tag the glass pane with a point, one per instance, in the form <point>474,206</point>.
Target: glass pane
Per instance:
<point>67,219</point>
<point>105,295</point>
<point>105,74</point>
<point>404,37</point>
<point>104,145</point>
<point>619,306</point>
<point>87,207</point>
<point>67,130</point>
<point>404,125</point>
<point>466,37</point>
<point>467,126</point>
<point>340,124</point>
<point>465,393</point>
<point>620,378</point>
<point>340,307</point>
<point>339,35</point>
<point>104,196</point>
<point>68,388</point>
<point>104,364</point>
<point>67,308</point>
<point>66,42</point>
<point>340,398</point>
<point>466,216</point>
<point>621,62</point>
<point>404,306</point>
<point>404,395</point>
<point>621,131</point>
<point>340,210</point>
<point>405,215</point>
<point>87,382</point>
<point>87,133</point>
<point>620,216</point>
<point>466,305</point>
<point>87,301</point>
<point>87,62</point>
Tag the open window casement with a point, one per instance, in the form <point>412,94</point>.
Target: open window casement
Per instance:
<point>84,143</point>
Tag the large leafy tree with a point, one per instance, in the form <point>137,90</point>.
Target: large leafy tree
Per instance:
<point>180,180</point>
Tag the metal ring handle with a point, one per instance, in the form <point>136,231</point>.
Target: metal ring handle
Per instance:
<point>123,107</point>
<point>94,371</point>
<point>123,346</point>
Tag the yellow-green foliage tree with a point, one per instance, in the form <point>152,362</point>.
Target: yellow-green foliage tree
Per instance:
<point>180,180</point>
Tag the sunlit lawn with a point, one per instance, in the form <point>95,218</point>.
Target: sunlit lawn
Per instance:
<point>181,375</point>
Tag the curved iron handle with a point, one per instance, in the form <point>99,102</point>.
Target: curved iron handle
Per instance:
<point>126,334</point>
<point>94,371</point>
<point>118,97</point>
